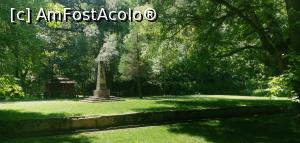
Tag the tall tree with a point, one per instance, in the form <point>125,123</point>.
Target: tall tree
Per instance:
<point>293,8</point>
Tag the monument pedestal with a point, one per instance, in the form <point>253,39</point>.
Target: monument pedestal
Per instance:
<point>97,99</point>
<point>102,96</point>
<point>102,93</point>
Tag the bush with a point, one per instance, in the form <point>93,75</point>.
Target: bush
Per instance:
<point>259,92</point>
<point>281,86</point>
<point>9,88</point>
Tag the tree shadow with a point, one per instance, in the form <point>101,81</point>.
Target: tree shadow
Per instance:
<point>12,121</point>
<point>53,139</point>
<point>204,103</point>
<point>32,100</point>
<point>275,128</point>
<point>267,129</point>
<point>16,115</point>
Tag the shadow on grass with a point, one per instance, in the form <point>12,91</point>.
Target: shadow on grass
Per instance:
<point>277,128</point>
<point>31,100</point>
<point>268,129</point>
<point>10,122</point>
<point>203,103</point>
<point>56,139</point>
<point>15,115</point>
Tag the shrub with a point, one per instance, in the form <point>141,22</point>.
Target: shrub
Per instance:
<point>9,88</point>
<point>259,92</point>
<point>281,86</point>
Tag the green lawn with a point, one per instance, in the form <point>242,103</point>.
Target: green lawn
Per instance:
<point>62,108</point>
<point>268,129</point>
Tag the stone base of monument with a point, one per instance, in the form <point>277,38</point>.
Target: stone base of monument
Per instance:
<point>102,96</point>
<point>102,93</point>
<point>96,99</point>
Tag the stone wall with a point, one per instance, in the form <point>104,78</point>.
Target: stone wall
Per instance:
<point>61,125</point>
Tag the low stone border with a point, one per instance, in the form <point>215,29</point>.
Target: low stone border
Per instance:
<point>58,125</point>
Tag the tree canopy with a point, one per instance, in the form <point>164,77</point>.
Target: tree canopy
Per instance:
<point>209,46</point>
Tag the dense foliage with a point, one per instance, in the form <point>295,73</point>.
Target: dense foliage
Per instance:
<point>209,46</point>
<point>9,88</point>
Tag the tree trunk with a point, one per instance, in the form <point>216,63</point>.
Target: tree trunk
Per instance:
<point>139,87</point>
<point>280,66</point>
<point>293,8</point>
<point>138,76</point>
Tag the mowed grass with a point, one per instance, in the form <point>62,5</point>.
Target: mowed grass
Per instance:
<point>268,129</point>
<point>64,108</point>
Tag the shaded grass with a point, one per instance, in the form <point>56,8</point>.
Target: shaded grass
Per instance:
<point>64,108</point>
<point>269,129</point>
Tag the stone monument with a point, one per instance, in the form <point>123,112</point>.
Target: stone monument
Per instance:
<point>101,87</point>
<point>107,52</point>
